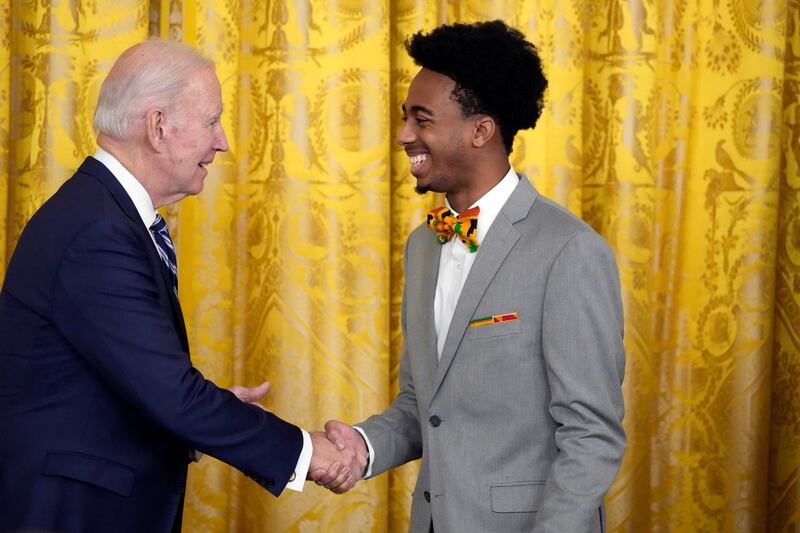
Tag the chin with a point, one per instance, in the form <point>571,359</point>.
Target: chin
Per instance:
<point>424,184</point>
<point>198,184</point>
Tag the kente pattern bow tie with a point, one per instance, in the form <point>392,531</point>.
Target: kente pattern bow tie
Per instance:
<point>464,226</point>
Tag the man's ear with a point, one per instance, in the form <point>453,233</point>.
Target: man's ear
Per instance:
<point>485,129</point>
<point>156,128</point>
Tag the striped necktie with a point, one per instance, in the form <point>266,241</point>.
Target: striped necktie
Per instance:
<point>165,249</point>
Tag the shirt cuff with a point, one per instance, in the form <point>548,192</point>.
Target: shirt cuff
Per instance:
<point>371,452</point>
<point>303,463</point>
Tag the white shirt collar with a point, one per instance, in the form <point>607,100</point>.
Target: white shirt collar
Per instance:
<point>139,196</point>
<point>492,202</point>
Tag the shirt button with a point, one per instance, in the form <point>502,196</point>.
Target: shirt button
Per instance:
<point>435,421</point>
<point>458,266</point>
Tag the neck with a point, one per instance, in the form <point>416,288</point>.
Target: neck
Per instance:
<point>484,178</point>
<point>131,155</point>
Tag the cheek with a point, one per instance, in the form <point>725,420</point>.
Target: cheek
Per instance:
<point>458,143</point>
<point>190,144</point>
<point>187,138</point>
<point>186,150</point>
<point>427,140</point>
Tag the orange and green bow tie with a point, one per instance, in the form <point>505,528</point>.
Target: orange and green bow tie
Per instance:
<point>465,226</point>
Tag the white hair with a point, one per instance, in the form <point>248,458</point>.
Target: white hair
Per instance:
<point>156,80</point>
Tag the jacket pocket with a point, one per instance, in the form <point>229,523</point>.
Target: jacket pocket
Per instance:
<point>97,471</point>
<point>516,497</point>
<point>496,329</point>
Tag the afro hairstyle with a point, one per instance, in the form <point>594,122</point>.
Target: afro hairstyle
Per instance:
<point>497,72</point>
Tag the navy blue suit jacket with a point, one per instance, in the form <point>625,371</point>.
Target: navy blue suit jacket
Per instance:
<point>99,401</point>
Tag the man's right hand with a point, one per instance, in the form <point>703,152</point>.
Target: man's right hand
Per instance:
<point>354,455</point>
<point>328,463</point>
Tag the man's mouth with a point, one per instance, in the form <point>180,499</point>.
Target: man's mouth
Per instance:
<point>417,161</point>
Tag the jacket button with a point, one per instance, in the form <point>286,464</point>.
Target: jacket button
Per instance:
<point>435,421</point>
<point>268,483</point>
<point>427,496</point>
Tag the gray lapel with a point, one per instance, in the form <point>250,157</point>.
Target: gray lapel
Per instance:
<point>498,242</point>
<point>421,324</point>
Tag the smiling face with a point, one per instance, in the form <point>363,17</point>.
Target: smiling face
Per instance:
<point>193,136</point>
<point>435,135</point>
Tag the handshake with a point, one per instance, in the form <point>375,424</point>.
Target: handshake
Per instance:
<point>340,457</point>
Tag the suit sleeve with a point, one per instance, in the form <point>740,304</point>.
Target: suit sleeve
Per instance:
<point>395,434</point>
<point>106,304</point>
<point>583,350</point>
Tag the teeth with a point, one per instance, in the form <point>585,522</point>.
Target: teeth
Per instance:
<point>417,159</point>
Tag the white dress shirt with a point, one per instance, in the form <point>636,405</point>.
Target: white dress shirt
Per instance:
<point>455,262</point>
<point>144,206</point>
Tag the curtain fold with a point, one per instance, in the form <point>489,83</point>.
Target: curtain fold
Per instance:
<point>5,108</point>
<point>53,60</point>
<point>671,126</point>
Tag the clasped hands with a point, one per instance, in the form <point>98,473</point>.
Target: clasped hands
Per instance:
<point>339,459</point>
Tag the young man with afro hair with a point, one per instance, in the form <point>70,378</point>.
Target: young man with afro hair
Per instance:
<point>511,373</point>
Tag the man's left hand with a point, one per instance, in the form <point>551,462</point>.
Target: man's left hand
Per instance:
<point>252,394</point>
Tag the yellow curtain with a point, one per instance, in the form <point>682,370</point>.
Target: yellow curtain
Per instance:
<point>673,127</point>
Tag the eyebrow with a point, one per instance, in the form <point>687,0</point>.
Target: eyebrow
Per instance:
<point>418,109</point>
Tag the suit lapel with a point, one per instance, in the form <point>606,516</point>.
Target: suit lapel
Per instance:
<point>177,312</point>
<point>95,168</point>
<point>499,241</point>
<point>428,273</point>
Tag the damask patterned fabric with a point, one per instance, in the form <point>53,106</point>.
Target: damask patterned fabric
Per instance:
<point>673,127</point>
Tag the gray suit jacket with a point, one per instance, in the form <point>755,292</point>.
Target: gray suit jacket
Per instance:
<point>519,423</point>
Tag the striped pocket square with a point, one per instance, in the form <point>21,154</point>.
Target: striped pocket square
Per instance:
<point>485,321</point>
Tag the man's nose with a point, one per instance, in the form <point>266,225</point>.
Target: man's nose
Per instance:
<point>221,144</point>
<point>406,134</point>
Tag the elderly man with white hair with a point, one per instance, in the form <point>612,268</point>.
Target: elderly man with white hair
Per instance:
<point>100,406</point>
